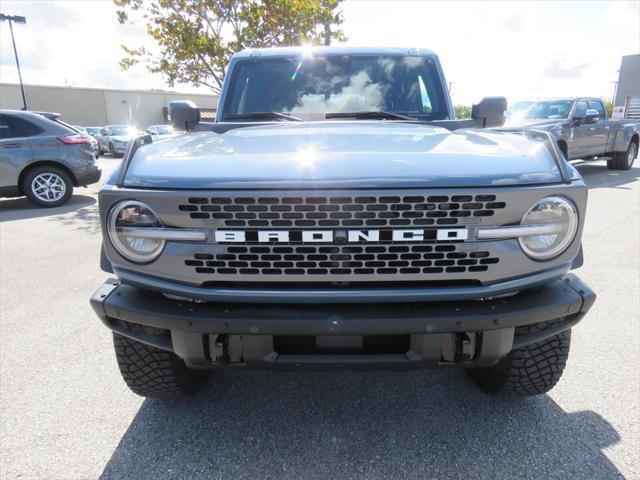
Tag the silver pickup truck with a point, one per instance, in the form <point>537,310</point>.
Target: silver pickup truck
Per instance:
<point>337,215</point>
<point>581,128</point>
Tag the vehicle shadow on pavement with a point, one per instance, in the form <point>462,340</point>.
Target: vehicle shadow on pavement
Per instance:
<point>85,218</point>
<point>22,209</point>
<point>597,175</point>
<point>418,424</point>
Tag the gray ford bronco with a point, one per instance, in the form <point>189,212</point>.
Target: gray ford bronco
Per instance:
<point>337,215</point>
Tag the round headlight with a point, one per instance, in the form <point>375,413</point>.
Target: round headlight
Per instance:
<point>556,212</point>
<point>131,214</point>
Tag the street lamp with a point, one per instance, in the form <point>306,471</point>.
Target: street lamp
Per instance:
<point>17,19</point>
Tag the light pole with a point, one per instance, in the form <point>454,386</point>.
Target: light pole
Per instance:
<point>17,19</point>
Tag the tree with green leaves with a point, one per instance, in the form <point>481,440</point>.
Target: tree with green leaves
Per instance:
<point>196,38</point>
<point>462,111</point>
<point>608,105</point>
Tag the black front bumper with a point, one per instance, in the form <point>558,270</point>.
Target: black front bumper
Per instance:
<point>473,333</point>
<point>92,175</point>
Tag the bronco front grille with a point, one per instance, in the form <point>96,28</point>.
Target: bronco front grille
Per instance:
<point>342,211</point>
<point>379,259</point>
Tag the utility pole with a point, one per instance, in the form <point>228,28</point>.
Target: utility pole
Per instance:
<point>327,33</point>
<point>22,20</point>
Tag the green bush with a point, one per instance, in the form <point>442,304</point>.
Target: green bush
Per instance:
<point>462,111</point>
<point>608,104</point>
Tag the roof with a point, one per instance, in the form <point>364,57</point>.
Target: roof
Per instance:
<point>334,50</point>
<point>561,99</point>
<point>24,113</point>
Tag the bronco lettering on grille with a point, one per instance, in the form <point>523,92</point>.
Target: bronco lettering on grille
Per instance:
<point>339,236</point>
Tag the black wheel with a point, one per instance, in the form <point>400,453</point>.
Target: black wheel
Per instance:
<point>527,371</point>
<point>47,186</point>
<point>623,160</point>
<point>151,372</point>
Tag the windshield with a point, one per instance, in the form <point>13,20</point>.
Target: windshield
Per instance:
<point>164,130</point>
<point>123,131</point>
<point>311,87</point>
<point>547,109</point>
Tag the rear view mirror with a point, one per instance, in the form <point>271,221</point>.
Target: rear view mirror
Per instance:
<point>183,114</point>
<point>490,111</point>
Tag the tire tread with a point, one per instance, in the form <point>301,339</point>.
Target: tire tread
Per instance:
<point>152,372</point>
<point>531,370</point>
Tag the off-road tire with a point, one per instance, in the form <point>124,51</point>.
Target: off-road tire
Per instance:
<point>152,372</point>
<point>620,160</point>
<point>27,187</point>
<point>527,371</point>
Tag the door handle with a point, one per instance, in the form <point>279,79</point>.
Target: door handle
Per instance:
<point>12,145</point>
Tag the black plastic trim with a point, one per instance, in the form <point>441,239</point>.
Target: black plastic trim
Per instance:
<point>9,192</point>
<point>353,294</point>
<point>132,148</point>
<point>568,296</point>
<point>570,321</point>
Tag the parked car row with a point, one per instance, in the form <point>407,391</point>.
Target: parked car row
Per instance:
<point>113,139</point>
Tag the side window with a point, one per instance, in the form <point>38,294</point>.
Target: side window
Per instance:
<point>581,109</point>
<point>5,129</point>
<point>599,107</point>
<point>14,127</point>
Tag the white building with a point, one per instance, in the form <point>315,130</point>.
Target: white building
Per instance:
<point>627,101</point>
<point>98,106</point>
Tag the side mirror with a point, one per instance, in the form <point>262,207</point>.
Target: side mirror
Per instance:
<point>183,114</point>
<point>490,111</point>
<point>592,116</point>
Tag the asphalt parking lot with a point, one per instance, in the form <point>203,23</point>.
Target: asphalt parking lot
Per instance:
<point>66,414</point>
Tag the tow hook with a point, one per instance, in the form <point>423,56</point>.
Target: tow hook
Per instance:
<point>459,347</point>
<point>226,349</point>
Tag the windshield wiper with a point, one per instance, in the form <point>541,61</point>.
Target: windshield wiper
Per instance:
<point>372,115</point>
<point>262,116</point>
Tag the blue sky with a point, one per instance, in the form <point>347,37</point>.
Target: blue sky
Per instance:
<point>517,49</point>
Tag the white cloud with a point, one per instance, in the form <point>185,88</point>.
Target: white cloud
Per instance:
<point>74,43</point>
<point>517,49</point>
<point>359,95</point>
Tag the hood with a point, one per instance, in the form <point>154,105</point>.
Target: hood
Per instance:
<point>360,154</point>
<point>164,135</point>
<point>122,138</point>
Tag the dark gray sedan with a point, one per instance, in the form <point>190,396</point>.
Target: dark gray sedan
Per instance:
<point>43,159</point>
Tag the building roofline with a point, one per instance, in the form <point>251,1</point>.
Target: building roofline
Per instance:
<point>99,89</point>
